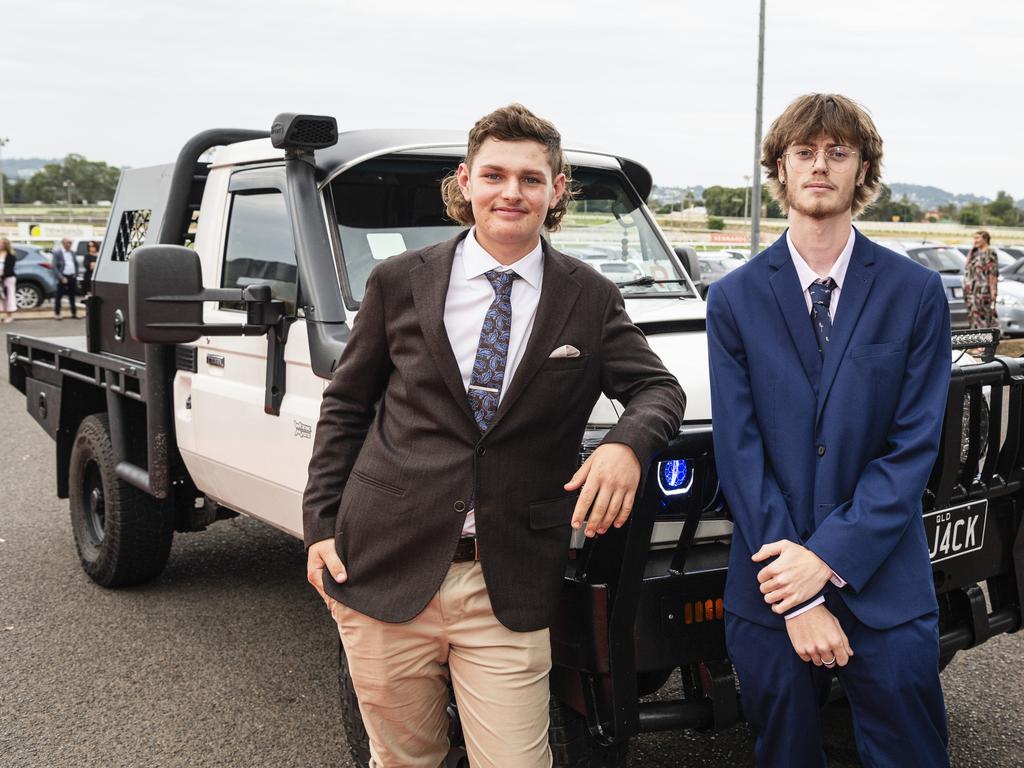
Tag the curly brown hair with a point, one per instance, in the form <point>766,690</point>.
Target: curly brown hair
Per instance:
<point>512,123</point>
<point>825,114</point>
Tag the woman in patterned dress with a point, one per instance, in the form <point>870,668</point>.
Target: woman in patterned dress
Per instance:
<point>981,274</point>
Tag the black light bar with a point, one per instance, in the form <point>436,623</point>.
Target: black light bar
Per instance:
<point>986,339</point>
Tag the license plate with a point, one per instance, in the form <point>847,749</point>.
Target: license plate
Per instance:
<point>956,531</point>
<point>958,293</point>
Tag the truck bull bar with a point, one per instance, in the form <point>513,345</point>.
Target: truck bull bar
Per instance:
<point>981,457</point>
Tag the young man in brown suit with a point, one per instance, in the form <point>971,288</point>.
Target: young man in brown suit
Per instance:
<point>439,496</point>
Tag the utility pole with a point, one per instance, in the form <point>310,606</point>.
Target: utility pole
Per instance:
<point>3,143</point>
<point>746,201</point>
<point>755,221</point>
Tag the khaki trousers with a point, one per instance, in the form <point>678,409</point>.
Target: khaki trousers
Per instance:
<point>401,674</point>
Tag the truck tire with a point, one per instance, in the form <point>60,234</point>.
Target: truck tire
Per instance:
<point>27,295</point>
<point>572,746</point>
<point>123,535</point>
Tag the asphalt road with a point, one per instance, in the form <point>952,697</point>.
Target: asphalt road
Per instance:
<point>228,659</point>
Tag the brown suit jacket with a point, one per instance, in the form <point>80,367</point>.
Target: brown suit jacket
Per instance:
<point>398,455</point>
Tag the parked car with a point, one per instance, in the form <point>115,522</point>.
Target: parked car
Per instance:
<point>618,271</point>
<point>1013,273</point>
<point>36,281</point>
<point>1017,251</point>
<point>1010,306</point>
<point>947,261</point>
<point>715,265</point>
<point>1006,258</point>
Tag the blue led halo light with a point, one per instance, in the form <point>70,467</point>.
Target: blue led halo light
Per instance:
<point>675,477</point>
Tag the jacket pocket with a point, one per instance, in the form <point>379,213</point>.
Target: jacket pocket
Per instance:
<point>556,364</point>
<point>551,513</point>
<point>365,479</point>
<point>876,350</point>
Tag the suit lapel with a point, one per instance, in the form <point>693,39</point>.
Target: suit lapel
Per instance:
<point>785,285</point>
<point>854,292</point>
<point>558,295</point>
<point>429,291</point>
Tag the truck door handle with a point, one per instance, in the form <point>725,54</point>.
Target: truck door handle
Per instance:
<point>217,361</point>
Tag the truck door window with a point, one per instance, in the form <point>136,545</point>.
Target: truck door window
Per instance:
<point>392,204</point>
<point>259,247</point>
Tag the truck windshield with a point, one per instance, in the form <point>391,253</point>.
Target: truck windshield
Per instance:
<point>392,204</point>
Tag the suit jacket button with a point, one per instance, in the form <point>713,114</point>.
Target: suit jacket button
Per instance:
<point>821,450</point>
<point>460,506</point>
<point>480,450</point>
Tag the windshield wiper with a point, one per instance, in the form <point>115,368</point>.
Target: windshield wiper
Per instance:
<point>648,280</point>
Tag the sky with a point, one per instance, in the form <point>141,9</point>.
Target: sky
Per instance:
<point>670,83</point>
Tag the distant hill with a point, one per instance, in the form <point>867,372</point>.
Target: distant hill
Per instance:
<point>925,196</point>
<point>23,167</point>
<point>932,197</point>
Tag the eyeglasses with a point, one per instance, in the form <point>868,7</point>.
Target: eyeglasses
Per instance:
<point>837,158</point>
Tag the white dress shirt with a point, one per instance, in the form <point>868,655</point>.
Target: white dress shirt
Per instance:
<point>470,295</point>
<point>807,276</point>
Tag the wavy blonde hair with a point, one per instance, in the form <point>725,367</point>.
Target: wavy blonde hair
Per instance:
<point>825,114</point>
<point>512,123</point>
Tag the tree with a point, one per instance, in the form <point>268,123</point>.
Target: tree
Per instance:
<point>90,180</point>
<point>886,209</point>
<point>724,201</point>
<point>970,215</point>
<point>1003,210</point>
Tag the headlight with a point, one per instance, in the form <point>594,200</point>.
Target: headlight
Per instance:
<point>1009,301</point>
<point>675,477</point>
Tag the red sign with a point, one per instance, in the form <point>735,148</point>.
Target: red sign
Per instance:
<point>729,237</point>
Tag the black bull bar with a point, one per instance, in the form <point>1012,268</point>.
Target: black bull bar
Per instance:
<point>600,639</point>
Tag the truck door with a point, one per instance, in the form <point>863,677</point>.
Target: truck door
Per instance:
<point>245,458</point>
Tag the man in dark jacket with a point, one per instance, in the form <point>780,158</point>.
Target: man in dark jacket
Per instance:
<point>439,495</point>
<point>65,268</point>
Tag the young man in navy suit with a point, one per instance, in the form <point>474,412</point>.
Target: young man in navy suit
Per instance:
<point>830,364</point>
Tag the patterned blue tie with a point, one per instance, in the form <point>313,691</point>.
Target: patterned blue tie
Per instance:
<point>821,298</point>
<point>492,353</point>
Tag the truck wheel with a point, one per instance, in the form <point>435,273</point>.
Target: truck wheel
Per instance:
<point>27,295</point>
<point>572,746</point>
<point>355,731</point>
<point>123,535</point>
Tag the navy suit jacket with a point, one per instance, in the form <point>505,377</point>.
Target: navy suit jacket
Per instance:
<point>832,453</point>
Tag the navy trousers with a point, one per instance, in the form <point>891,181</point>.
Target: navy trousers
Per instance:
<point>892,683</point>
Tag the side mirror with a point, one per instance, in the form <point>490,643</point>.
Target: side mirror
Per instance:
<point>688,256</point>
<point>166,295</point>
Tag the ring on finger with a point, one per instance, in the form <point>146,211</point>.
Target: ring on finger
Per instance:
<point>830,663</point>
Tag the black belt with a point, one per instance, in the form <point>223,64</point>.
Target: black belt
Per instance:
<point>466,550</point>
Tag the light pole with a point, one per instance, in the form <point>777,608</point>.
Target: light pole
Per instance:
<point>68,186</point>
<point>746,201</point>
<point>3,143</point>
<point>755,220</point>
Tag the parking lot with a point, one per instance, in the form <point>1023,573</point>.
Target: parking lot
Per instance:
<point>229,658</point>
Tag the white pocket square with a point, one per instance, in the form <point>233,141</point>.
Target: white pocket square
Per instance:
<point>566,350</point>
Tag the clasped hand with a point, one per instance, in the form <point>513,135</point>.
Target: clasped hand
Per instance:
<point>796,575</point>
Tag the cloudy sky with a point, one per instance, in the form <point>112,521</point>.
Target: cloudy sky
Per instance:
<point>668,82</point>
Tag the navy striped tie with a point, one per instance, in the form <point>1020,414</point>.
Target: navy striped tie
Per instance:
<point>821,299</point>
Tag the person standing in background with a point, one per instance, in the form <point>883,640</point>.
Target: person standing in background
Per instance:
<point>10,304</point>
<point>66,269</point>
<point>981,275</point>
<point>90,264</point>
